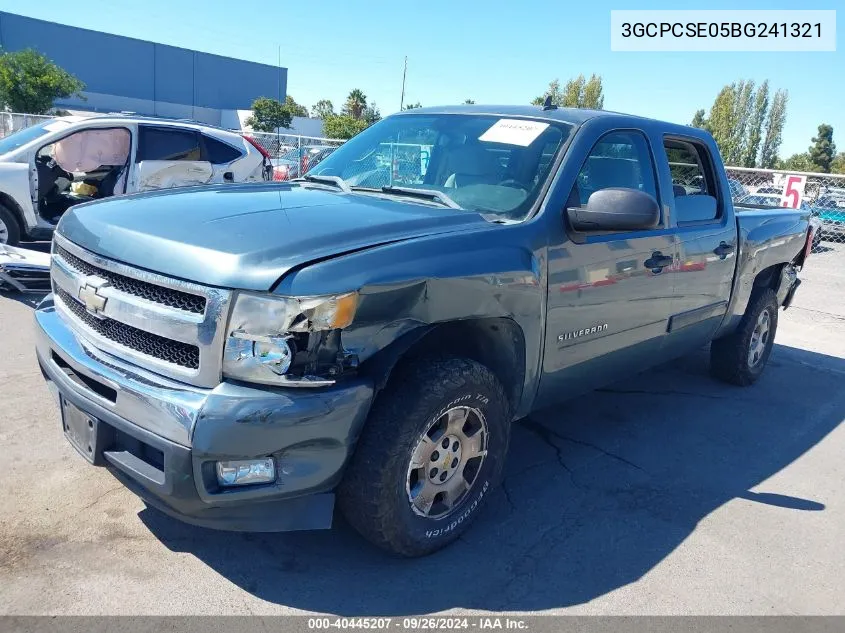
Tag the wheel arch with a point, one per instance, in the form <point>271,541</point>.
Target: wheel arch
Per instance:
<point>15,209</point>
<point>498,343</point>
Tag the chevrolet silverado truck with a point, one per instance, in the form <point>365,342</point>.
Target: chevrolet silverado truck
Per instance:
<point>243,356</point>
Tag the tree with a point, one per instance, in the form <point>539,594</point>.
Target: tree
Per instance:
<point>737,120</point>
<point>823,149</point>
<point>755,125</point>
<point>468,102</point>
<point>553,91</point>
<point>593,95</point>
<point>572,92</point>
<point>342,126</point>
<point>774,129</point>
<point>372,113</point>
<point>743,100</point>
<point>698,120</point>
<point>29,82</point>
<point>797,162</point>
<point>412,106</point>
<point>294,108</point>
<point>838,164</point>
<point>578,93</point>
<point>721,121</point>
<point>355,104</point>
<point>268,115</point>
<point>322,109</point>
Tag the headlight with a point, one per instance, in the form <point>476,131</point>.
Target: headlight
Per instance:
<point>268,335</point>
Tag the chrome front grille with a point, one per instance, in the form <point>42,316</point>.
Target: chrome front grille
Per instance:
<point>151,292</point>
<point>167,325</point>
<point>142,342</point>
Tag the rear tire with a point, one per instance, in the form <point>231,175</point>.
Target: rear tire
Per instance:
<point>430,454</point>
<point>741,357</point>
<point>10,231</point>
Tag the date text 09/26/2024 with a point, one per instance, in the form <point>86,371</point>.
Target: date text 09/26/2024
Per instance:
<point>419,623</point>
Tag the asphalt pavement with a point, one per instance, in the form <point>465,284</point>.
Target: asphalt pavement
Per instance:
<point>668,493</point>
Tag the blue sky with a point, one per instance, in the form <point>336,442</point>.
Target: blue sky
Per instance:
<point>492,52</point>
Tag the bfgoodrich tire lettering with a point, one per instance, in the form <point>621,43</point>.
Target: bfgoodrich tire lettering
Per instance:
<point>374,494</point>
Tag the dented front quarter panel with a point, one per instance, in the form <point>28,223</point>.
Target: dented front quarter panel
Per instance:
<point>493,271</point>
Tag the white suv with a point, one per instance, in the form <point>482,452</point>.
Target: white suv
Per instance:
<point>49,167</point>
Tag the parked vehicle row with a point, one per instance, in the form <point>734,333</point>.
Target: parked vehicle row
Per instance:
<point>242,361</point>
<point>54,165</point>
<point>295,162</point>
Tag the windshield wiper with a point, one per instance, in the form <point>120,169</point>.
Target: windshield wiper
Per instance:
<point>337,181</point>
<point>430,194</point>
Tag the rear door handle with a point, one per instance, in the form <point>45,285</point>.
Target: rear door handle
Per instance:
<point>723,249</point>
<point>658,261</point>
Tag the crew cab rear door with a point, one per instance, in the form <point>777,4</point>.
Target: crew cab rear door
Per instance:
<point>169,157</point>
<point>609,294</point>
<point>701,213</point>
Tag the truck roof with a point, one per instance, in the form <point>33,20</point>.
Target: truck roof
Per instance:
<point>567,115</point>
<point>574,116</point>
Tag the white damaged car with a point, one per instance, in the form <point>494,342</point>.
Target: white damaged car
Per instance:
<point>49,167</point>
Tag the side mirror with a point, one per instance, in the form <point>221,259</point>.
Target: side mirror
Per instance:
<point>616,209</point>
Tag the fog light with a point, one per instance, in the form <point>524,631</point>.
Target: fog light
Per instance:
<point>242,472</point>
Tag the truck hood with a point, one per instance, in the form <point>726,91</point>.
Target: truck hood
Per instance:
<point>248,236</point>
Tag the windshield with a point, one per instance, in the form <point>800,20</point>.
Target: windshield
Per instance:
<point>482,163</point>
<point>26,135</point>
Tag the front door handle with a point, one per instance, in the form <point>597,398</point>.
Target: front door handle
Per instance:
<point>723,249</point>
<point>658,261</point>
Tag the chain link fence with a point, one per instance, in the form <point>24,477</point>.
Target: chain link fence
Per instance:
<point>291,154</point>
<point>11,122</point>
<point>823,196</point>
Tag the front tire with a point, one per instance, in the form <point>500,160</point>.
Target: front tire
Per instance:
<point>429,456</point>
<point>10,232</point>
<point>741,357</point>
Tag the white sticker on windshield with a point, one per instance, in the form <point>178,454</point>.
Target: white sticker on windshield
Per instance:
<point>514,132</point>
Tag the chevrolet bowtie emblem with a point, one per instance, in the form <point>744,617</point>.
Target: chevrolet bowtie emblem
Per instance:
<point>89,295</point>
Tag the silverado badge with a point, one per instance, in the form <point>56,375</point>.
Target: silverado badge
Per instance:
<point>579,333</point>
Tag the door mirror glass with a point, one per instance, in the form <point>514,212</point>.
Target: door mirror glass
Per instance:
<point>616,209</point>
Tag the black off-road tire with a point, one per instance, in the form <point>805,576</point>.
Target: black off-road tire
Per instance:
<point>373,495</point>
<point>8,218</point>
<point>729,355</point>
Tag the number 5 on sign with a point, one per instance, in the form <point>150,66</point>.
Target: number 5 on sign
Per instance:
<point>793,192</point>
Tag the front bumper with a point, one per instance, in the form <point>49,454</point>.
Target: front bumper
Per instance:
<point>161,438</point>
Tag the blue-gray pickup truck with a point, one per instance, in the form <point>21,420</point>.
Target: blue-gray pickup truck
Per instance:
<point>243,356</point>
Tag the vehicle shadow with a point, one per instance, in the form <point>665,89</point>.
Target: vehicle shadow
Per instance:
<point>597,492</point>
<point>30,299</point>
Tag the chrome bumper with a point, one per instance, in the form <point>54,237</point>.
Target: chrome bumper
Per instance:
<point>164,407</point>
<point>310,434</point>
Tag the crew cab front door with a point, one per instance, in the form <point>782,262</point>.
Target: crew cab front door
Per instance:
<point>169,157</point>
<point>609,295</point>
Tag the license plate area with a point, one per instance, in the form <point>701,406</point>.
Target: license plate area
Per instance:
<point>80,430</point>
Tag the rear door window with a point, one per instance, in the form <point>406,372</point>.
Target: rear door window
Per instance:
<point>218,152</point>
<point>693,181</point>
<point>158,143</point>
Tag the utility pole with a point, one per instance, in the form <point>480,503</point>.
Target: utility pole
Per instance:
<point>404,72</point>
<point>279,70</point>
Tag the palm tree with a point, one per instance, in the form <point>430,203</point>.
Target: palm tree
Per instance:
<point>356,103</point>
